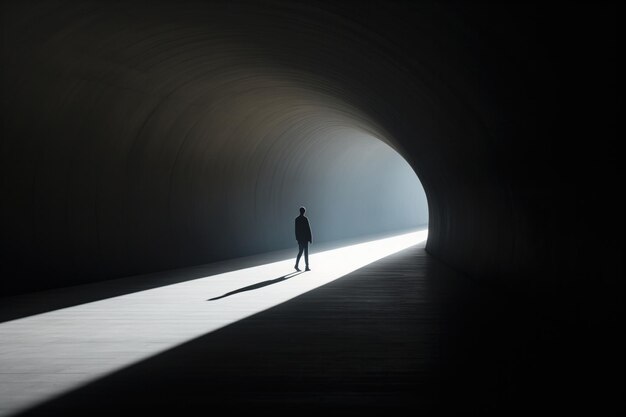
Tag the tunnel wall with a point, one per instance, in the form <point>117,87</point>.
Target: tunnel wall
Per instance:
<point>506,113</point>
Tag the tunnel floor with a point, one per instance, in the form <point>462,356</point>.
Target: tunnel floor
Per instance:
<point>403,333</point>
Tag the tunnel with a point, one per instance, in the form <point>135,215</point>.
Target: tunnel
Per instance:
<point>186,158</point>
<point>149,136</point>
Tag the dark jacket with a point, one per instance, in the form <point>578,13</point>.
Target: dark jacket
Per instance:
<point>303,230</point>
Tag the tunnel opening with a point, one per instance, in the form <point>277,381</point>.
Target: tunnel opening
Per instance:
<point>215,169</point>
<point>356,185</point>
<point>275,143</point>
<point>194,144</point>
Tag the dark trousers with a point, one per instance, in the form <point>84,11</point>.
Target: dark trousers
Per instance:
<point>303,247</point>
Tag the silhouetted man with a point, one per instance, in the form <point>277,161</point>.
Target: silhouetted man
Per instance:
<point>303,236</point>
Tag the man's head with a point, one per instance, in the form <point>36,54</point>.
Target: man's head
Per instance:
<point>302,210</point>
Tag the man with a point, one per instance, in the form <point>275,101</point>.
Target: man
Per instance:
<point>303,236</point>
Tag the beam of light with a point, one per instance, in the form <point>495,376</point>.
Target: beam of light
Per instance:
<point>46,355</point>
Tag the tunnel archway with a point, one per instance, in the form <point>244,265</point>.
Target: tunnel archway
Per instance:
<point>147,149</point>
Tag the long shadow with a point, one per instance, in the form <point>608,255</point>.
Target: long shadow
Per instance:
<point>257,285</point>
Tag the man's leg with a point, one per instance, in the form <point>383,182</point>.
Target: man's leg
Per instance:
<point>306,255</point>
<point>300,248</point>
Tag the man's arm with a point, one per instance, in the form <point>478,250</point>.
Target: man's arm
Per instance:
<point>308,225</point>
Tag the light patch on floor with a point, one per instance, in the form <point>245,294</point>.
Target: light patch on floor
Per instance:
<point>48,354</point>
